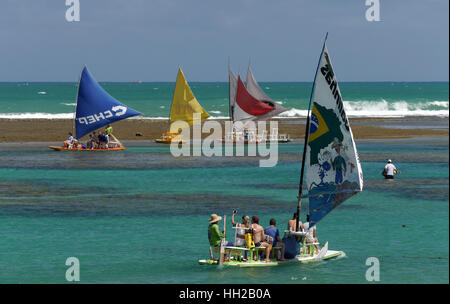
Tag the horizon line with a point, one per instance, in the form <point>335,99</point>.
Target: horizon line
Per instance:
<point>220,81</point>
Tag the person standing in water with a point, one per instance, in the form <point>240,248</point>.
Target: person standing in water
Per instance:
<point>390,170</point>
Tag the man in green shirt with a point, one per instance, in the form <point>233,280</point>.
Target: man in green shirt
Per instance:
<point>214,235</point>
<point>108,130</point>
<point>108,133</point>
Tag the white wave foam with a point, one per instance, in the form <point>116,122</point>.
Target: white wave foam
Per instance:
<point>398,108</point>
<point>69,104</point>
<point>352,108</point>
<point>293,113</point>
<point>438,103</point>
<point>42,93</point>
<point>36,116</point>
<point>384,109</point>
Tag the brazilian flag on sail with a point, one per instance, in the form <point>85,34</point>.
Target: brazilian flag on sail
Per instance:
<point>324,127</point>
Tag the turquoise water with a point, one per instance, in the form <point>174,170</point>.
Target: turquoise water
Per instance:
<point>57,100</point>
<point>140,216</point>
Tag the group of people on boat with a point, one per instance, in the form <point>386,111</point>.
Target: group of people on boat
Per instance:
<point>251,235</point>
<point>95,141</point>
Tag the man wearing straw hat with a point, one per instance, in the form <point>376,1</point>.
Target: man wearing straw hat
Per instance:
<point>214,235</point>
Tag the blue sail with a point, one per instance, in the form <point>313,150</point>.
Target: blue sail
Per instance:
<point>95,107</point>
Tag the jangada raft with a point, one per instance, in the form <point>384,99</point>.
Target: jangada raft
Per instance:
<point>184,105</point>
<point>248,103</point>
<point>330,164</point>
<point>95,109</point>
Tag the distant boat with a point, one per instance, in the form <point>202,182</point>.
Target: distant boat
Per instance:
<point>184,105</point>
<point>95,109</point>
<point>250,103</point>
<point>332,169</point>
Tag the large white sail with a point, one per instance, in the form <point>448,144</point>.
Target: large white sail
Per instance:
<point>332,167</point>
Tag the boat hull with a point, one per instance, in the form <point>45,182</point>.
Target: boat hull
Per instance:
<point>300,259</point>
<point>57,148</point>
<point>165,141</point>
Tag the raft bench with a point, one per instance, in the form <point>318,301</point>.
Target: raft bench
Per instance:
<point>304,245</point>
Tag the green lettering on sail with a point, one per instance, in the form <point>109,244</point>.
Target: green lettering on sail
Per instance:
<point>324,127</point>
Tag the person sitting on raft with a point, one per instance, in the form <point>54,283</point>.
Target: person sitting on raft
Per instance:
<point>311,234</point>
<point>292,223</point>
<point>69,141</point>
<point>91,143</point>
<point>241,228</point>
<point>259,237</point>
<point>274,234</point>
<point>214,235</point>
<point>240,231</point>
<point>102,141</point>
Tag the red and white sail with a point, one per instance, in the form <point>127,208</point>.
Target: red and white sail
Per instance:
<point>250,103</point>
<point>255,90</point>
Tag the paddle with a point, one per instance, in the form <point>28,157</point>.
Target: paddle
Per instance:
<point>222,243</point>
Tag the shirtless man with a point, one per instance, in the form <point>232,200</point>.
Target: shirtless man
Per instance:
<point>259,237</point>
<point>293,222</point>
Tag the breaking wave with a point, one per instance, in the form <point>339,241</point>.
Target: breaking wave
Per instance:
<point>36,116</point>
<point>385,109</point>
<point>353,109</point>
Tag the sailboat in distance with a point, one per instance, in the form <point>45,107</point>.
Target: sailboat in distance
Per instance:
<point>250,103</point>
<point>332,169</point>
<point>184,105</point>
<point>95,109</point>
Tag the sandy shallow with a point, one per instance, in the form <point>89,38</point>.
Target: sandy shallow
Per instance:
<point>55,130</point>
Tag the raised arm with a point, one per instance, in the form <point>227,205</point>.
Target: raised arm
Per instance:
<point>232,220</point>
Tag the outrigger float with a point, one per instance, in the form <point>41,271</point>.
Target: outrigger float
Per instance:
<point>333,174</point>
<point>95,109</point>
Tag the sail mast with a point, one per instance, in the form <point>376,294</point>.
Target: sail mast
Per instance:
<point>300,190</point>
<point>174,88</point>
<point>76,104</point>
<point>230,107</point>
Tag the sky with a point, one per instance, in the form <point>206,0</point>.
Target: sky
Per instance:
<point>147,40</point>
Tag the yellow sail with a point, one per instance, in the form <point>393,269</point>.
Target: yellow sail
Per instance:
<point>184,103</point>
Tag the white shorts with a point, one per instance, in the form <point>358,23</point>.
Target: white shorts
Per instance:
<point>239,242</point>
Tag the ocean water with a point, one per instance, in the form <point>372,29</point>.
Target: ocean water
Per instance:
<point>140,215</point>
<point>386,99</point>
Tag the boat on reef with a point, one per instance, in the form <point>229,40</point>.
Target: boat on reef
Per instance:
<point>331,170</point>
<point>249,103</point>
<point>184,105</point>
<point>95,109</point>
